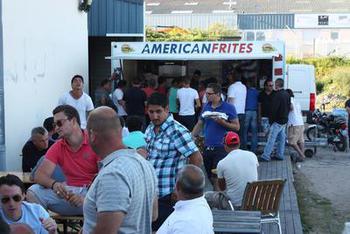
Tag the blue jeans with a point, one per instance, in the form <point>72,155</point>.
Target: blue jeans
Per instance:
<point>250,123</point>
<point>277,133</point>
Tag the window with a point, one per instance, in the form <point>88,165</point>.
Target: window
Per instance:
<point>334,35</point>
<point>250,36</point>
<point>260,36</point>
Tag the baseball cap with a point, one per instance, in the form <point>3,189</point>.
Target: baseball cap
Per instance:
<point>231,139</point>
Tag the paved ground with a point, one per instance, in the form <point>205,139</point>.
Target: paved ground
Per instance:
<point>324,181</point>
<point>329,174</point>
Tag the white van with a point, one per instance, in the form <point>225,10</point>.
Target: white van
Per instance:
<point>301,79</point>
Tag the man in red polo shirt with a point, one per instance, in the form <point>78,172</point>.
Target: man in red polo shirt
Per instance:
<point>78,162</point>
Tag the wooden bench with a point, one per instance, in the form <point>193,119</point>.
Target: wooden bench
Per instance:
<point>73,222</point>
<point>227,221</point>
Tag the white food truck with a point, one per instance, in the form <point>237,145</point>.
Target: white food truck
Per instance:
<point>253,59</point>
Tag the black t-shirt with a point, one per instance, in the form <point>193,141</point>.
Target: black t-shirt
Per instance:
<point>31,155</point>
<point>280,107</point>
<point>135,99</point>
<point>266,101</point>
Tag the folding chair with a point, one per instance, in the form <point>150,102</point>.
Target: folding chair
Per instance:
<point>264,196</point>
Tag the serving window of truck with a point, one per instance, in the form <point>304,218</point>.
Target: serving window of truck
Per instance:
<point>258,59</point>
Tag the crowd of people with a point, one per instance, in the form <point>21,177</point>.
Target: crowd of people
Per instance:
<point>129,163</point>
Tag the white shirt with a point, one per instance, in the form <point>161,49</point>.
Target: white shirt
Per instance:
<point>189,217</point>
<point>238,91</point>
<point>83,104</point>
<point>238,168</point>
<point>295,116</point>
<point>117,96</point>
<point>187,98</point>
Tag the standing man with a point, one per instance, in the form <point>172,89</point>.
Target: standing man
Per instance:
<point>264,105</point>
<point>102,97</point>
<point>169,147</point>
<point>192,213</point>
<point>347,107</point>
<point>36,147</point>
<point>188,100</point>
<point>78,162</point>
<point>78,99</point>
<point>236,96</point>
<point>237,169</point>
<point>296,127</point>
<point>217,117</point>
<point>251,122</point>
<point>195,79</point>
<point>280,107</point>
<point>122,198</point>
<point>135,99</point>
<point>117,98</point>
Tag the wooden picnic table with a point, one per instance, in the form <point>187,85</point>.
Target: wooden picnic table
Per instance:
<point>228,221</point>
<point>24,176</point>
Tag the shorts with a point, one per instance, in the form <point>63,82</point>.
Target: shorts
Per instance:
<point>295,134</point>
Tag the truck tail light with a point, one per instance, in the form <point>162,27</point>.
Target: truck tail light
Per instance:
<point>312,101</point>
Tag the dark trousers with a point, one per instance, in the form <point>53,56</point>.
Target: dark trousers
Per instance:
<point>211,158</point>
<point>165,208</point>
<point>241,118</point>
<point>188,121</point>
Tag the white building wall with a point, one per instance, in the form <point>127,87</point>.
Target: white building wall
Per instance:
<point>45,43</point>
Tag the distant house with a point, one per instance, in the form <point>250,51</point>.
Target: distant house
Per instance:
<point>309,28</point>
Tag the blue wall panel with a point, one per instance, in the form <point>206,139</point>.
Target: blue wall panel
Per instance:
<point>115,16</point>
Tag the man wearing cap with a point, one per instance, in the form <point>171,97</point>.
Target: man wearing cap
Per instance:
<point>78,99</point>
<point>237,169</point>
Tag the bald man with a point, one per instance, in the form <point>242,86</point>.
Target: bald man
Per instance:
<point>122,198</point>
<point>192,213</point>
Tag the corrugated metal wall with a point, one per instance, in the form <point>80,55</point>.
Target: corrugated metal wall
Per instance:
<point>115,16</point>
<point>265,21</point>
<point>202,21</point>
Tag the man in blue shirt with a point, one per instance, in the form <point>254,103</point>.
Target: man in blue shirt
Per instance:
<point>169,146</point>
<point>217,118</point>
<point>251,108</point>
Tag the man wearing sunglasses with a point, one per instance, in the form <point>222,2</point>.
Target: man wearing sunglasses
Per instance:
<point>15,210</point>
<point>222,117</point>
<point>77,160</point>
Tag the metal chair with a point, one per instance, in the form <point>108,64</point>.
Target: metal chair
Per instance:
<point>264,196</point>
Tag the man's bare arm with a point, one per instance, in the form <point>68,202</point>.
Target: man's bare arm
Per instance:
<point>155,209</point>
<point>43,174</point>
<point>222,184</point>
<point>230,125</point>
<point>108,222</point>
<point>197,128</point>
<point>196,159</point>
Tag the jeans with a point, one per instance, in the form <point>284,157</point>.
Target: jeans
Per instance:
<point>241,118</point>
<point>277,133</point>
<point>250,123</point>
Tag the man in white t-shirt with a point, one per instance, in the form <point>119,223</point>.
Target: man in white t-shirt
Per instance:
<point>237,169</point>
<point>191,213</point>
<point>117,98</point>
<point>236,95</point>
<point>296,127</point>
<point>78,99</point>
<point>188,100</point>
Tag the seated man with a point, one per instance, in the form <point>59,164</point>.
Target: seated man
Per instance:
<point>78,162</point>
<point>192,213</point>
<point>237,169</point>
<point>34,148</point>
<point>49,126</point>
<point>15,210</point>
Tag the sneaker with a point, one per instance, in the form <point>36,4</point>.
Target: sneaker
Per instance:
<point>276,158</point>
<point>261,159</point>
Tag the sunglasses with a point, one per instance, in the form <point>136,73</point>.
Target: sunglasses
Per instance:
<point>16,198</point>
<point>59,123</point>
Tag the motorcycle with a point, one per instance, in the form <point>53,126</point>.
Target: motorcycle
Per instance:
<point>330,127</point>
